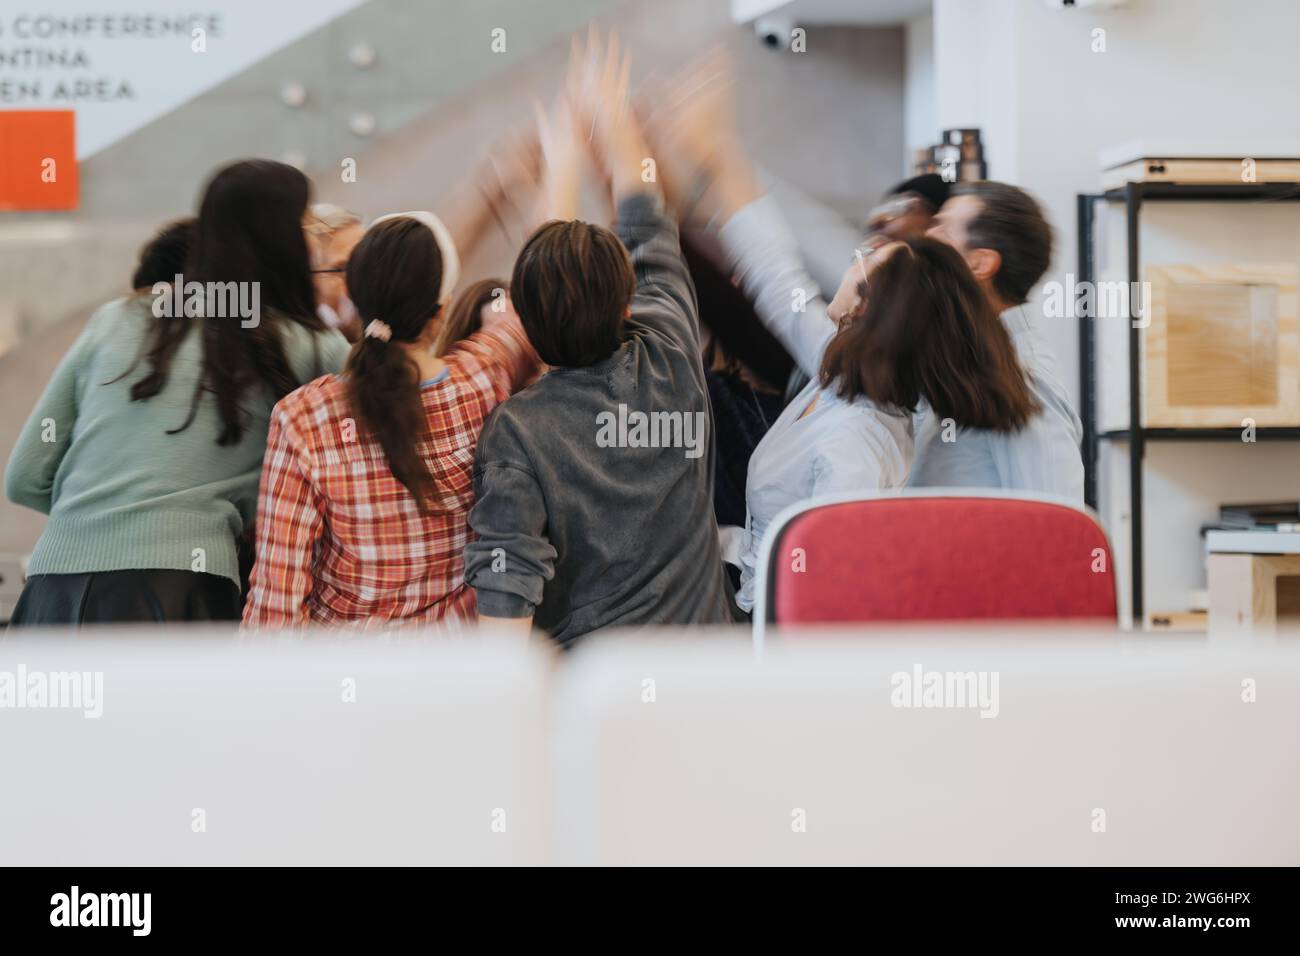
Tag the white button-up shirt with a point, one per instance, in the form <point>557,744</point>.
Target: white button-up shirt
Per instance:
<point>1043,456</point>
<point>840,445</point>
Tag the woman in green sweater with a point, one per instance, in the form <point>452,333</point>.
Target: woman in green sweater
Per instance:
<point>146,447</point>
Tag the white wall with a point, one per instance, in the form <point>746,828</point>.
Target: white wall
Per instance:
<point>1196,73</point>
<point>976,69</point>
<point>920,128</point>
<point>1182,70</point>
<point>1190,71</point>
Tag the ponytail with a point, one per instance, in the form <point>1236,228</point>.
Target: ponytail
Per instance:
<point>384,393</point>
<point>395,272</point>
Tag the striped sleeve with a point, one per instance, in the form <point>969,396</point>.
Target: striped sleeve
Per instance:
<point>289,523</point>
<point>498,358</point>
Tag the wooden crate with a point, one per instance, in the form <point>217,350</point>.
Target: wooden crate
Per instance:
<point>1222,346</point>
<point>1253,592</point>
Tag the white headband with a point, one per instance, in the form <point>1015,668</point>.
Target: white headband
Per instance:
<point>446,246</point>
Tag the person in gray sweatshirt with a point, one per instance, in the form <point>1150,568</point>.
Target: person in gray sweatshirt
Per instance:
<point>594,485</point>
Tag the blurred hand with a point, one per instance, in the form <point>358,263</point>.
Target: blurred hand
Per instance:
<point>562,148</point>
<point>513,164</point>
<point>690,117</point>
<point>559,141</point>
<point>598,84</point>
<point>689,121</point>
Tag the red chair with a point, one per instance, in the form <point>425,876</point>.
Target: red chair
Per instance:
<point>934,555</point>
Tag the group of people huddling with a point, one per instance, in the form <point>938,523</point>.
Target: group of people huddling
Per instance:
<point>601,441</point>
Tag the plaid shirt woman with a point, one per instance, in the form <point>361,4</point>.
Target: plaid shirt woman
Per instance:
<point>339,539</point>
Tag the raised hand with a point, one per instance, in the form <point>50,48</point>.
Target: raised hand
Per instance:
<point>689,122</point>
<point>562,149</point>
<point>509,177</point>
<point>512,163</point>
<point>598,83</point>
<point>691,114</point>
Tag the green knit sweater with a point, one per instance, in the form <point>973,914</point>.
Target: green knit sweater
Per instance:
<point>123,494</point>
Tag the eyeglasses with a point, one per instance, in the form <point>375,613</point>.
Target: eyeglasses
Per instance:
<point>867,248</point>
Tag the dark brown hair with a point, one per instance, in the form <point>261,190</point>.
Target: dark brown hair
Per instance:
<point>929,333</point>
<point>571,287</point>
<point>465,315</point>
<point>249,231</point>
<point>1012,225</point>
<point>394,275</point>
<point>163,257</point>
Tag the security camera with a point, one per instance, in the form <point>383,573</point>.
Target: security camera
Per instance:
<point>1071,4</point>
<point>774,32</point>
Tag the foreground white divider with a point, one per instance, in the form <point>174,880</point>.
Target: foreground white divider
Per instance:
<point>1103,750</point>
<point>670,747</point>
<point>304,751</point>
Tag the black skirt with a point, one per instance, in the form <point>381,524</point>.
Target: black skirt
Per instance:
<point>111,597</point>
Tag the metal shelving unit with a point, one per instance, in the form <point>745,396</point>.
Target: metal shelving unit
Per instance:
<point>1133,196</point>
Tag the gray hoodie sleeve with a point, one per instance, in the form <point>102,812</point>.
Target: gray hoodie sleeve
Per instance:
<point>512,559</point>
<point>665,296</point>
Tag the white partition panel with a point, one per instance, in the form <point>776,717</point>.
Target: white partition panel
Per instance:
<point>317,751</point>
<point>1097,750</point>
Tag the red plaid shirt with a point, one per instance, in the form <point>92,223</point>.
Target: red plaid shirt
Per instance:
<point>339,539</point>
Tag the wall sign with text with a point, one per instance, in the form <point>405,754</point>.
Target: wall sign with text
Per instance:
<point>120,66</point>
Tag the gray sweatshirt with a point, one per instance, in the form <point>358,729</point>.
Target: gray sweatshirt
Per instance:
<point>594,485</point>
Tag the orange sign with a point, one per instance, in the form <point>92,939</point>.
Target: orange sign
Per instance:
<point>38,160</point>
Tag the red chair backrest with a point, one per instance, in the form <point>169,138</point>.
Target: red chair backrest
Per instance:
<point>916,558</point>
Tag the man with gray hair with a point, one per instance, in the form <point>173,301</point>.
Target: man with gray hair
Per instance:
<point>334,232</point>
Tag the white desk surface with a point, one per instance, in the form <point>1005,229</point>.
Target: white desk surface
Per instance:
<point>1252,542</point>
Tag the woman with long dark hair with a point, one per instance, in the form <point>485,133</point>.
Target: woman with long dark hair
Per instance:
<point>367,484</point>
<point>908,326</point>
<point>924,334</point>
<point>145,448</point>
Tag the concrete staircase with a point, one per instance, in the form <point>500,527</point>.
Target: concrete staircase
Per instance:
<point>829,123</point>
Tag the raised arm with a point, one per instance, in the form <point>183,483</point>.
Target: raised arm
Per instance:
<point>562,147</point>
<point>665,297</point>
<point>763,256</point>
<point>711,182</point>
<point>496,193</point>
<point>498,357</point>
